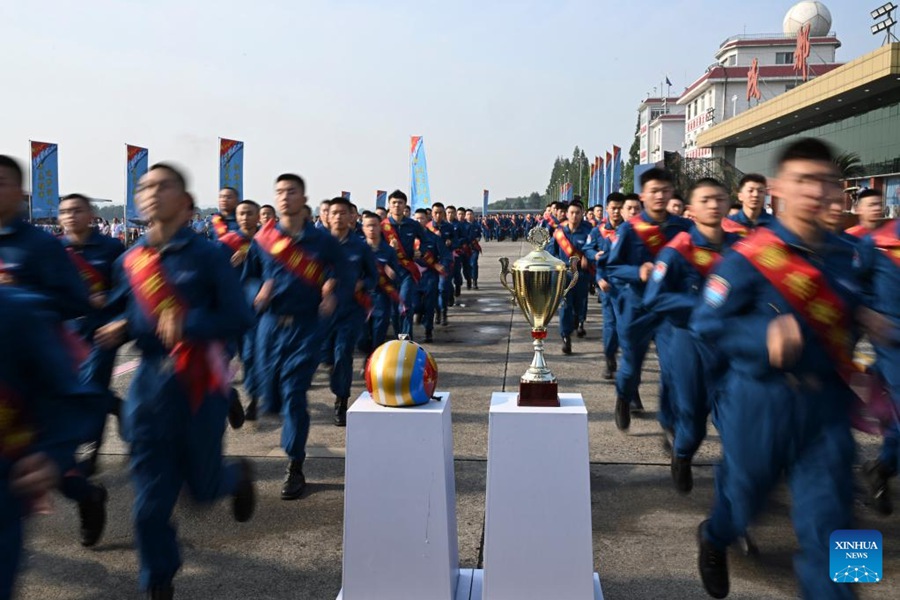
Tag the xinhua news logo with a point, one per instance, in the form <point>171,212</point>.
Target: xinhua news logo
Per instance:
<point>856,556</point>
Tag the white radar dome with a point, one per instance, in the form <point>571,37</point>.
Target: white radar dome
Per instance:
<point>815,13</point>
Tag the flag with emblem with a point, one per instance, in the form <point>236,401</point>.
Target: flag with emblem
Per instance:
<point>420,193</point>
<point>136,164</point>
<point>44,180</point>
<point>231,165</point>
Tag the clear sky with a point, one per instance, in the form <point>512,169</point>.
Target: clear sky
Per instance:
<point>333,89</point>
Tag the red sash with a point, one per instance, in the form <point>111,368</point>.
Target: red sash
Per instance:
<point>858,231</point>
<point>16,433</point>
<point>702,259</point>
<point>563,241</point>
<point>885,238</point>
<point>610,234</point>
<point>390,234</point>
<point>154,295</point>
<point>731,226</point>
<point>94,280</point>
<point>430,227</point>
<point>219,225</point>
<point>385,284</point>
<point>429,259</point>
<point>282,248</point>
<point>476,246</point>
<point>650,234</point>
<point>236,242</point>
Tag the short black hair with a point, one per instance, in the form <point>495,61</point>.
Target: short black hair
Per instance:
<point>450,206</point>
<point>399,195</point>
<point>705,182</point>
<point>562,205</point>
<point>460,209</point>
<point>353,207</point>
<point>870,192</point>
<point>8,162</point>
<point>326,202</point>
<point>174,171</point>
<point>293,179</point>
<point>249,203</point>
<point>231,189</point>
<point>79,197</point>
<point>269,206</point>
<point>806,149</point>
<point>752,178</point>
<point>631,196</point>
<point>616,197</point>
<point>676,195</point>
<point>421,211</point>
<point>656,174</point>
<point>437,205</point>
<point>370,215</point>
<point>339,201</point>
<point>575,203</point>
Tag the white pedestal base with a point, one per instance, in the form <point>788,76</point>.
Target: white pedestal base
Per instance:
<point>475,579</point>
<point>400,537</point>
<point>537,539</point>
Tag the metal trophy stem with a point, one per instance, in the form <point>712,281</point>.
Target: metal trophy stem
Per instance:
<point>538,371</point>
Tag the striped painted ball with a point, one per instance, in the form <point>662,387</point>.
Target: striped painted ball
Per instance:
<point>401,373</point>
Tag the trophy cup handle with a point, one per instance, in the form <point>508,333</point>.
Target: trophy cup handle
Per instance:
<point>504,274</point>
<point>573,269</point>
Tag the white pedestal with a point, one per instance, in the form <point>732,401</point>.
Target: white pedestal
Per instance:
<point>400,537</point>
<point>538,537</point>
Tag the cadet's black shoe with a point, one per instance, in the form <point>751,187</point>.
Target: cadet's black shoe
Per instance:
<point>636,405</point>
<point>161,592</point>
<point>567,345</point>
<point>475,283</point>
<point>581,332</point>
<point>747,545</point>
<point>609,373</point>
<point>444,317</point>
<point>340,412</point>
<point>713,565</point>
<point>682,476</point>
<point>244,499</point>
<point>92,512</point>
<point>468,284</point>
<point>294,481</point>
<point>250,414</point>
<point>458,290</point>
<point>235,410</point>
<point>623,415</point>
<point>876,476</point>
<point>429,337</point>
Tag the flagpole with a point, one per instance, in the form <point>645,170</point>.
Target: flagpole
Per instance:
<point>125,202</point>
<point>31,178</point>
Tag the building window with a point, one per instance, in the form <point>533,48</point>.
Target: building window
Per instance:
<point>784,58</point>
<point>732,60</point>
<point>655,113</point>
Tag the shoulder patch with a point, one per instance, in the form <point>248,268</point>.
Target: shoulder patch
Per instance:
<point>659,271</point>
<point>716,291</point>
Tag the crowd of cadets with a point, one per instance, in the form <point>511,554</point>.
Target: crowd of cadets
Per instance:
<point>754,320</point>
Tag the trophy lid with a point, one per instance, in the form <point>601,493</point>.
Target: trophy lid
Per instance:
<point>539,258</point>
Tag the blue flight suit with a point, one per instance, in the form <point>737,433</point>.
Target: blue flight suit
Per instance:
<point>428,284</point>
<point>289,337</point>
<point>408,231</point>
<point>462,268</point>
<point>764,220</point>
<point>38,386</point>
<point>247,343</point>
<point>574,308</point>
<point>793,421</point>
<point>881,279</point>
<point>36,262</point>
<point>349,319</point>
<point>445,283</point>
<point>173,445</point>
<point>101,251</point>
<point>475,233</point>
<point>230,222</point>
<point>602,242</point>
<point>382,304</point>
<point>626,256</point>
<point>672,294</point>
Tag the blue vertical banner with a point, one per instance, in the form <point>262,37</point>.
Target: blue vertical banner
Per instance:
<point>136,166</point>
<point>590,198</point>
<point>607,176</point>
<point>345,195</point>
<point>420,193</point>
<point>616,169</point>
<point>231,165</point>
<point>484,202</point>
<point>380,199</point>
<point>44,180</point>
<point>601,182</point>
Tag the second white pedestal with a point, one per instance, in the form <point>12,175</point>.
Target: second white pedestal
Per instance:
<point>400,536</point>
<point>538,537</point>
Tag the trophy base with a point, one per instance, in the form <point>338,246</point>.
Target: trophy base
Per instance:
<point>538,393</point>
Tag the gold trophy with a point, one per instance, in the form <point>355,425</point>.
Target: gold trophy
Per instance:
<point>539,285</point>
